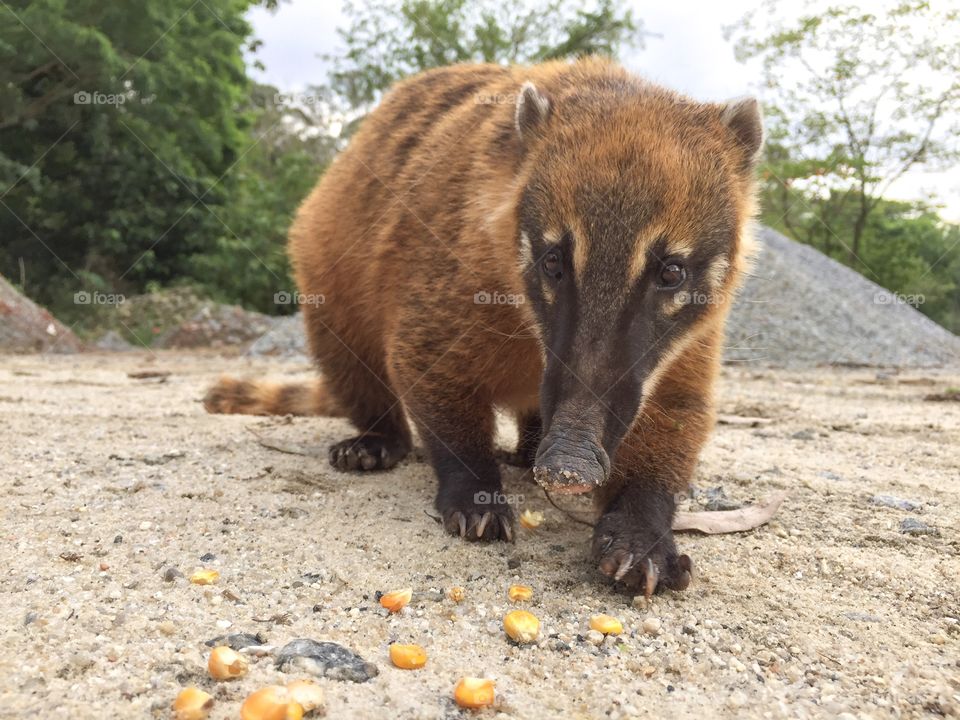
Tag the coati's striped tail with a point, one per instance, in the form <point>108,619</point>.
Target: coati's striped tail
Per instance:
<point>256,397</point>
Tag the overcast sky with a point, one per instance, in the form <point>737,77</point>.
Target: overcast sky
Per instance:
<point>687,53</point>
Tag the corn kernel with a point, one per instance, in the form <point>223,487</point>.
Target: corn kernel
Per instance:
<point>397,600</point>
<point>307,694</point>
<point>519,593</point>
<point>205,577</point>
<point>408,657</point>
<point>606,625</point>
<point>226,663</point>
<point>192,704</point>
<point>521,626</point>
<point>474,692</point>
<point>457,594</point>
<point>273,702</point>
<point>530,519</point>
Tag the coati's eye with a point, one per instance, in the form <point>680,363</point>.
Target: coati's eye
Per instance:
<point>672,275</point>
<point>552,265</point>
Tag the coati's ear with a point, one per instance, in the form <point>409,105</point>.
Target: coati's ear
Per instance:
<point>533,109</point>
<point>745,120</point>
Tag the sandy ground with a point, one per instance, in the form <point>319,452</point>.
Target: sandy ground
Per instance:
<point>108,481</point>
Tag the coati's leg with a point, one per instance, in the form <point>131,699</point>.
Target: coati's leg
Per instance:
<point>529,434</point>
<point>358,382</point>
<point>633,541</point>
<point>456,423</point>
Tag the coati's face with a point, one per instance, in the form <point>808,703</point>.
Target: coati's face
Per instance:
<point>630,230</point>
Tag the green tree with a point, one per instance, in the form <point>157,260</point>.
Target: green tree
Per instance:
<point>389,41</point>
<point>119,125</point>
<point>859,98</point>
<point>245,261</point>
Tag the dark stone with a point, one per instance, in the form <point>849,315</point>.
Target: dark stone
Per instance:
<point>237,641</point>
<point>912,526</point>
<point>324,659</point>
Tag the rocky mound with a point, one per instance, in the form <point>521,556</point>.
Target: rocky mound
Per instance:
<point>26,327</point>
<point>800,308</point>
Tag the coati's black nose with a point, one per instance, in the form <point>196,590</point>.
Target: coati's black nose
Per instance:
<point>571,461</point>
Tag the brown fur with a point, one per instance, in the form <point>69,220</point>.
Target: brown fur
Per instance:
<point>248,397</point>
<point>423,211</point>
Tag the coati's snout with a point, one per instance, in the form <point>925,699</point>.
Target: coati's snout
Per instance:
<point>590,392</point>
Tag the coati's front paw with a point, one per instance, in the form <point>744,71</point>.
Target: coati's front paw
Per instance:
<point>367,452</point>
<point>639,556</point>
<point>481,517</point>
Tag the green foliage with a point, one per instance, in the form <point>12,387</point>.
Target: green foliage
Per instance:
<point>119,128</point>
<point>246,262</point>
<point>389,41</point>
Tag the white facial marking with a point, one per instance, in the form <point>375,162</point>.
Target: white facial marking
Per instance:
<point>526,251</point>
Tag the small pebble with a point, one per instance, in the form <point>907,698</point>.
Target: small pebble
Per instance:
<point>652,625</point>
<point>171,574</point>
<point>594,637</point>
<point>325,659</point>
<point>912,526</point>
<point>897,503</point>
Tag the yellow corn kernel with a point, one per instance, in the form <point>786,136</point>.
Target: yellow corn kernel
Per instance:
<point>192,704</point>
<point>205,577</point>
<point>606,625</point>
<point>519,593</point>
<point>307,694</point>
<point>397,600</point>
<point>408,657</point>
<point>531,519</point>
<point>457,594</point>
<point>521,626</point>
<point>226,663</point>
<point>474,692</point>
<point>273,702</point>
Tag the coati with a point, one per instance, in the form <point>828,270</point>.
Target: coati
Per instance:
<point>561,241</point>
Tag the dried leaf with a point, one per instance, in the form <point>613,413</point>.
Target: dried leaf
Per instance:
<point>729,521</point>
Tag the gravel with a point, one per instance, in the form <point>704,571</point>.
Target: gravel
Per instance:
<point>800,308</point>
<point>27,327</point>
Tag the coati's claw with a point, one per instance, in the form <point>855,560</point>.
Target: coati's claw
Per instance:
<point>625,565</point>
<point>367,452</point>
<point>651,579</point>
<point>481,524</point>
<point>638,557</point>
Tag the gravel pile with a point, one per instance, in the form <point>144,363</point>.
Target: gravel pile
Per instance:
<point>286,339</point>
<point>217,326</point>
<point>27,327</point>
<point>800,308</point>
